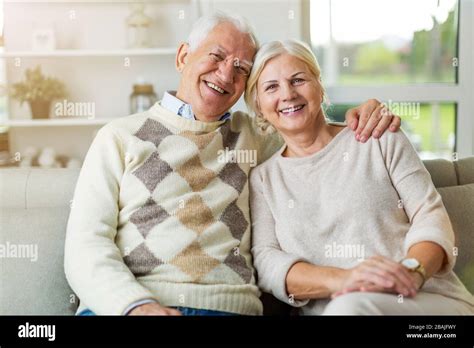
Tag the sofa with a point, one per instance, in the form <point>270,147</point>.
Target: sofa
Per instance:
<point>34,208</point>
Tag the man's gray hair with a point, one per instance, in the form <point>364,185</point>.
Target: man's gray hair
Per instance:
<point>205,24</point>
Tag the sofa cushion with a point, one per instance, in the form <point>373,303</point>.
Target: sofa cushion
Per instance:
<point>37,188</point>
<point>442,172</point>
<point>459,202</point>
<point>13,188</point>
<point>34,209</point>
<point>465,170</point>
<point>34,283</point>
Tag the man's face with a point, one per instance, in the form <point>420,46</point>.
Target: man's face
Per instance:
<point>214,75</point>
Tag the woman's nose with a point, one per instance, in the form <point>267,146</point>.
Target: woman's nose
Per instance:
<point>288,92</point>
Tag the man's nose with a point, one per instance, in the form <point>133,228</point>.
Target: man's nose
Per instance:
<point>225,72</point>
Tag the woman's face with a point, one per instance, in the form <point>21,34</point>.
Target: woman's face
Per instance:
<point>288,95</point>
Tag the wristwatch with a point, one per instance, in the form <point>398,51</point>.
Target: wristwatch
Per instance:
<point>413,265</point>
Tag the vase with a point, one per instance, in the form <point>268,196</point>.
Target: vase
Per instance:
<point>40,108</point>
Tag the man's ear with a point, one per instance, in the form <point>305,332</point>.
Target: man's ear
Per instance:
<point>182,56</point>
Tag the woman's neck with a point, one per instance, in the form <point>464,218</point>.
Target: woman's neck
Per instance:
<point>311,140</point>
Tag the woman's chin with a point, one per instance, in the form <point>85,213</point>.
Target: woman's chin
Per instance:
<point>293,129</point>
<point>294,125</point>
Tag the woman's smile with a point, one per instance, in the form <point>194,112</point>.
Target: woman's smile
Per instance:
<point>292,111</point>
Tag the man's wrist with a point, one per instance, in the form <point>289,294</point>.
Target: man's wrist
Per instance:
<point>137,304</point>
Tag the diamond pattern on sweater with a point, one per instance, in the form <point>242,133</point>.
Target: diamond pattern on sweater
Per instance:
<point>197,176</point>
<point>201,140</point>
<point>229,138</point>
<point>141,260</point>
<point>148,216</point>
<point>195,262</point>
<point>238,265</point>
<point>234,176</point>
<point>195,215</point>
<point>153,171</point>
<point>152,131</point>
<point>235,220</point>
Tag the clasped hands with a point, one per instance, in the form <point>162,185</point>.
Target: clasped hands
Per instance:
<point>380,274</point>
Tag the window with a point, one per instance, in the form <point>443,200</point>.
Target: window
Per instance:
<point>402,52</point>
<point>431,127</point>
<point>3,89</point>
<point>407,42</point>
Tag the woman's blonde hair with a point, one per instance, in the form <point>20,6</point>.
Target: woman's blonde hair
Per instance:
<point>269,51</point>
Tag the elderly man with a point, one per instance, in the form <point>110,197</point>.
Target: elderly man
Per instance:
<point>159,224</point>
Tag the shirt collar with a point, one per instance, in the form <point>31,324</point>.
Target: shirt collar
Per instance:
<point>178,107</point>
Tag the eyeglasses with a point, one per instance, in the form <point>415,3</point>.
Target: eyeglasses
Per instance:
<point>240,67</point>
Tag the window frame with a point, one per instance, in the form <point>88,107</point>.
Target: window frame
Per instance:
<point>460,93</point>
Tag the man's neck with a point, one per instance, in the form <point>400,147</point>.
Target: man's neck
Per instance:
<point>197,116</point>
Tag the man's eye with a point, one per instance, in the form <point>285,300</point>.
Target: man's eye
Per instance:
<point>243,71</point>
<point>216,57</point>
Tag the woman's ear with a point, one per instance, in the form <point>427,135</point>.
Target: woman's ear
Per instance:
<point>182,56</point>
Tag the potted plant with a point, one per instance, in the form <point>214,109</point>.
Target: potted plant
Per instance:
<point>39,91</point>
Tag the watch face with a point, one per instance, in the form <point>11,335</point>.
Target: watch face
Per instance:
<point>410,263</point>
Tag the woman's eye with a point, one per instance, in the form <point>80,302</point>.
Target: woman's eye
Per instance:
<point>297,81</point>
<point>270,88</point>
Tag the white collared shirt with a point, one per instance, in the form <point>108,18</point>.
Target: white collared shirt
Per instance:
<point>178,107</point>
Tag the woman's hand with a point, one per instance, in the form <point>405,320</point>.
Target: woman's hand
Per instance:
<point>380,274</point>
<point>154,309</point>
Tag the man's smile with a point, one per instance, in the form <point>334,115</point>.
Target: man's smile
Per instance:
<point>215,87</point>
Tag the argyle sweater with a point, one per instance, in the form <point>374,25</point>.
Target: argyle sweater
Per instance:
<point>161,210</point>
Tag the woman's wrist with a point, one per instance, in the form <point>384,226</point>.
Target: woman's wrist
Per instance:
<point>339,280</point>
<point>418,279</point>
<point>307,281</point>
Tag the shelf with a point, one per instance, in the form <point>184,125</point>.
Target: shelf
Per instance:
<point>91,53</point>
<point>57,122</point>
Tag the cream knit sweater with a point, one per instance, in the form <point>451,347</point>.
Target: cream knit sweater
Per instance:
<point>347,202</point>
<point>161,211</point>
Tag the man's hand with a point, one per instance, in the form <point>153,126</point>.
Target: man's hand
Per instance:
<point>371,118</point>
<point>153,309</point>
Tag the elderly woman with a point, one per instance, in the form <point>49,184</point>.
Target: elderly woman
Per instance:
<point>313,246</point>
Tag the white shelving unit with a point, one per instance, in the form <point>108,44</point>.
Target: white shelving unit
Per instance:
<point>57,122</point>
<point>77,53</point>
<point>91,53</point>
<point>91,60</point>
